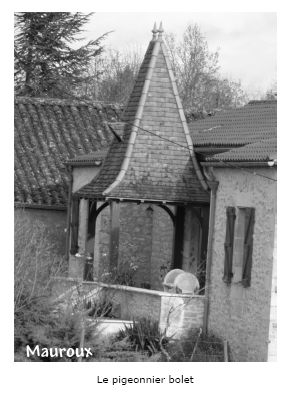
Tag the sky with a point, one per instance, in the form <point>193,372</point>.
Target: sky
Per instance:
<point>246,41</point>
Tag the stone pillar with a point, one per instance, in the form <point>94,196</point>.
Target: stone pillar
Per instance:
<point>114,237</point>
<point>77,262</point>
<point>101,244</point>
<point>179,234</point>
<point>186,262</point>
<point>192,241</point>
<point>162,247</point>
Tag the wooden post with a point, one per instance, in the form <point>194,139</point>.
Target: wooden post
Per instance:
<point>68,222</point>
<point>114,237</point>
<point>225,348</point>
<point>205,228</point>
<point>178,237</point>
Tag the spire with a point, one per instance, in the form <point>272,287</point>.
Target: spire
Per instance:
<point>160,30</point>
<point>154,31</point>
<point>151,165</point>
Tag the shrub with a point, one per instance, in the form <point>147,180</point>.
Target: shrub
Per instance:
<point>145,335</point>
<point>197,347</point>
<point>112,349</point>
<point>34,265</point>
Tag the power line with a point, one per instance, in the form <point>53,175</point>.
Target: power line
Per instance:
<point>218,160</point>
<point>245,170</point>
<point>185,147</point>
<point>155,134</point>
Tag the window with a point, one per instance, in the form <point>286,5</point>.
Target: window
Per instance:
<point>238,245</point>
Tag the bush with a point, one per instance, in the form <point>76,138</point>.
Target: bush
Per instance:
<point>114,350</point>
<point>197,347</point>
<point>35,265</point>
<point>145,335</point>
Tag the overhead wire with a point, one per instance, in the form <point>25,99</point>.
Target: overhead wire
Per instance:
<point>217,160</point>
<point>186,147</point>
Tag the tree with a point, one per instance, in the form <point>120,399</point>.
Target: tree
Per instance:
<point>200,85</point>
<point>271,93</point>
<point>114,76</point>
<point>46,61</point>
<point>195,66</point>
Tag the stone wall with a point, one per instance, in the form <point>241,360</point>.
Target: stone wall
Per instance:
<point>177,313</point>
<point>145,245</point>
<point>162,243</point>
<point>241,315</point>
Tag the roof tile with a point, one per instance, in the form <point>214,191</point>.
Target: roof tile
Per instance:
<point>160,166</point>
<point>48,132</point>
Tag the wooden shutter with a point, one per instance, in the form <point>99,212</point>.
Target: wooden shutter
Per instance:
<point>248,246</point>
<point>74,247</point>
<point>229,244</point>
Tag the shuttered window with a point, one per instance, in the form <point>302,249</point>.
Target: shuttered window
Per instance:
<point>248,246</point>
<point>74,247</point>
<point>229,244</point>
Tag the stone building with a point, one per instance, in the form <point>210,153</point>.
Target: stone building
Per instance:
<point>140,192</point>
<point>47,133</point>
<point>150,181</point>
<point>241,281</point>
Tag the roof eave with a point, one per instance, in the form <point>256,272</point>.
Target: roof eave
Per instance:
<point>245,164</point>
<point>142,201</point>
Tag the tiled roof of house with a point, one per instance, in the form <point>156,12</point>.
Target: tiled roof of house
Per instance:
<point>48,132</point>
<point>236,127</point>
<point>264,150</point>
<point>155,159</point>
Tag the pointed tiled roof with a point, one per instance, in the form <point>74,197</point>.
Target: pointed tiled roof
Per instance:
<point>155,159</point>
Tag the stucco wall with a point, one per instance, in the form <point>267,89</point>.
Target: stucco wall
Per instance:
<point>272,349</point>
<point>241,315</point>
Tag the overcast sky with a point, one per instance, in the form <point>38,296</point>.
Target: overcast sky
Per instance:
<point>246,41</point>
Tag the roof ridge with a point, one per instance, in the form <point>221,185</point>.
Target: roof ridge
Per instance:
<point>261,101</point>
<point>137,118</point>
<point>183,118</point>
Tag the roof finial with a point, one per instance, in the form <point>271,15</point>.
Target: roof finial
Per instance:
<point>154,31</point>
<point>160,30</point>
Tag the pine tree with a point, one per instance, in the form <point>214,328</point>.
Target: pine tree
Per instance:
<point>47,63</point>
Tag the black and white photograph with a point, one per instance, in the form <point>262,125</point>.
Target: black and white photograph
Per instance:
<point>145,189</point>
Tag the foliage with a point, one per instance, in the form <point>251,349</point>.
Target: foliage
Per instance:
<point>145,335</point>
<point>35,262</point>
<point>47,63</point>
<point>42,323</point>
<point>197,347</point>
<point>111,349</point>
<point>98,307</point>
<point>271,93</point>
<point>114,76</point>
<point>36,318</point>
<point>200,85</point>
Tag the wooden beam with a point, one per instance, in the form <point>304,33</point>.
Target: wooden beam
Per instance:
<point>114,237</point>
<point>205,227</point>
<point>166,208</point>
<point>178,237</point>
